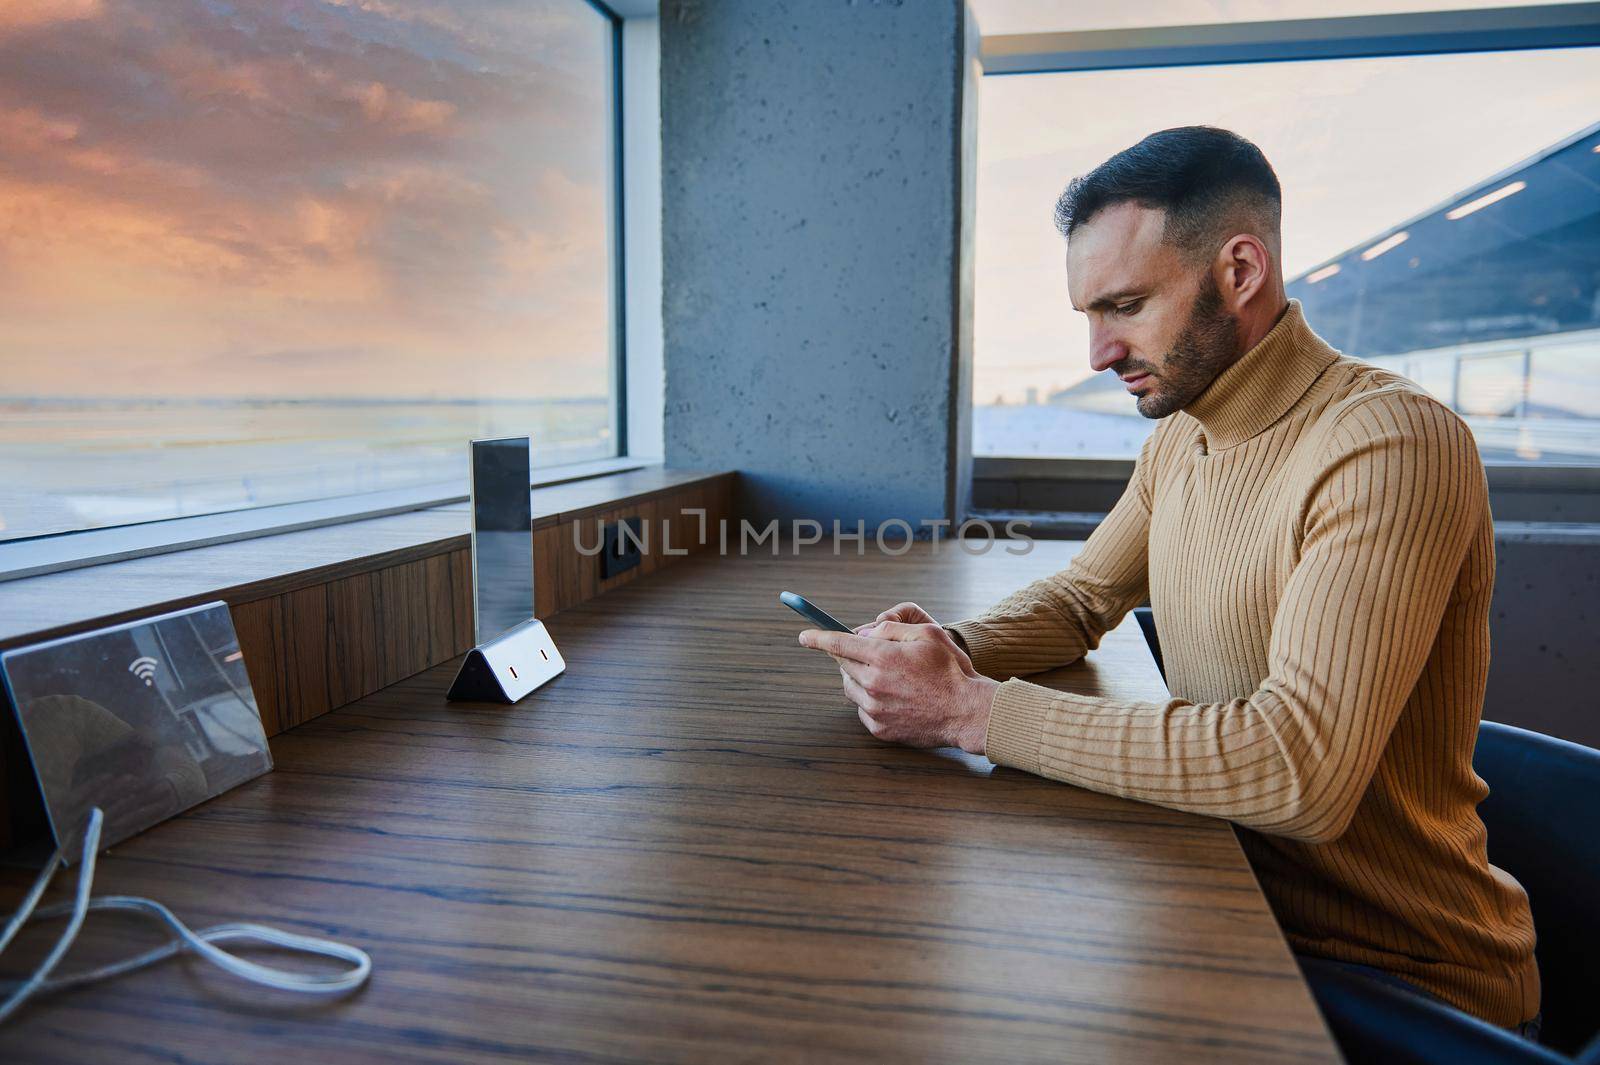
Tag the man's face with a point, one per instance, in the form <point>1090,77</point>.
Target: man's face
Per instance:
<point>1156,319</point>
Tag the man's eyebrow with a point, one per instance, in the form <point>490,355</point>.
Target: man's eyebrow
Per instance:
<point>1111,299</point>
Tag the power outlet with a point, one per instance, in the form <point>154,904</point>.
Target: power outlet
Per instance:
<point>620,552</point>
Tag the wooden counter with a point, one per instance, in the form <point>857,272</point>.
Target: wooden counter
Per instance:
<point>687,849</point>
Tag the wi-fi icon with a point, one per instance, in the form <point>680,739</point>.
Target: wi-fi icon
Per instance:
<point>144,668</point>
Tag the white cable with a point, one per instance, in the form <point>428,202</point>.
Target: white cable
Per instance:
<point>201,942</point>
<point>20,918</point>
<point>80,908</point>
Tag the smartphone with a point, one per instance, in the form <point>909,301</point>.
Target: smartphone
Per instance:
<point>818,617</point>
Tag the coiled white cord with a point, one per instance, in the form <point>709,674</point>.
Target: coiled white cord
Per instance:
<point>201,942</point>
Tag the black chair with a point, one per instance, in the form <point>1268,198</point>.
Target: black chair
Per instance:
<point>1383,1025</point>
<point>1147,625</point>
<point>1541,815</point>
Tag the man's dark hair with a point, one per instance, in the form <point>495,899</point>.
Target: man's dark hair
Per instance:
<point>1205,179</point>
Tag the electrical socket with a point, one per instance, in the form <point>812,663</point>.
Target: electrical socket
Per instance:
<point>621,552</point>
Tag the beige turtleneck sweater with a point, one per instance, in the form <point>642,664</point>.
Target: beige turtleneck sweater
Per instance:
<point>1313,534</point>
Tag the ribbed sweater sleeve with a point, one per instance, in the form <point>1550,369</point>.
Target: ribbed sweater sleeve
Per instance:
<point>1056,620</point>
<point>1389,516</point>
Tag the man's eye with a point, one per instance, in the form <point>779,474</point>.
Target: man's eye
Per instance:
<point>1128,310</point>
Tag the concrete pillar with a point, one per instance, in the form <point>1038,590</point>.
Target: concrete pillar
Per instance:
<point>817,252</point>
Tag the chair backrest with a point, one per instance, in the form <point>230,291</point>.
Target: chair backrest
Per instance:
<point>1147,625</point>
<point>1376,1022</point>
<point>1543,817</point>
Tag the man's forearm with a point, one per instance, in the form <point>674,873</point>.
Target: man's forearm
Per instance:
<point>1015,646</point>
<point>1229,760</point>
<point>1057,620</point>
<point>1050,623</point>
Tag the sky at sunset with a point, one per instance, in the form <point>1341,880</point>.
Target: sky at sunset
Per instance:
<point>408,198</point>
<point>367,197</point>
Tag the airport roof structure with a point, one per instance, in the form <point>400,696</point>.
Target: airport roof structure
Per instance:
<point>1516,255</point>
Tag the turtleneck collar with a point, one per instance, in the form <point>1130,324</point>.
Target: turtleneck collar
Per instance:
<point>1267,380</point>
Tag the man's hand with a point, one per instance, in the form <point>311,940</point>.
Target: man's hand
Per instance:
<point>906,613</point>
<point>911,683</point>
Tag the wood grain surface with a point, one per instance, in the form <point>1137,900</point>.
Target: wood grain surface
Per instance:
<point>346,624</point>
<point>687,849</point>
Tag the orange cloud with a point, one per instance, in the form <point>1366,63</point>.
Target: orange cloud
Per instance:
<point>18,15</point>
<point>32,130</point>
<point>402,113</point>
<point>26,130</point>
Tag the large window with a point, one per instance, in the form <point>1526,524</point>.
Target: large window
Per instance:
<point>257,253</point>
<point>1440,217</point>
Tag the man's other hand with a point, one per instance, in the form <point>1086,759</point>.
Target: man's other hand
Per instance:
<point>911,683</point>
<point>905,613</point>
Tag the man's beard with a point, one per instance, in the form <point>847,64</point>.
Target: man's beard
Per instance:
<point>1208,344</point>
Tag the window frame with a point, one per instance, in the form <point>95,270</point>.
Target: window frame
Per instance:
<point>1074,494</point>
<point>1492,29</point>
<point>1498,29</point>
<point>617,231</point>
<point>31,556</point>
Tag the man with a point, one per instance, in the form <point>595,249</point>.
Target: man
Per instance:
<point>1313,534</point>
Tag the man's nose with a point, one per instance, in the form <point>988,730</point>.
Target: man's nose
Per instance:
<point>1105,350</point>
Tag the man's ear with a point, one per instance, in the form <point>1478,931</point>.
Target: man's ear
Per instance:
<point>1242,268</point>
